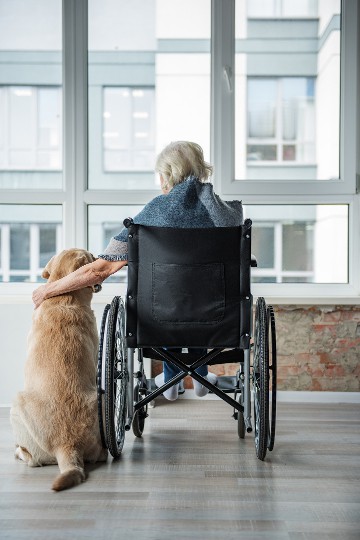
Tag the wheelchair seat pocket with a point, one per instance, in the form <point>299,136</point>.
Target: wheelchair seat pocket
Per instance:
<point>188,293</point>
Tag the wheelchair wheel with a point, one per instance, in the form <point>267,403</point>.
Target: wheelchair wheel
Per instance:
<point>239,415</point>
<point>100,383</point>
<point>261,379</point>
<point>116,378</point>
<point>140,391</point>
<point>138,422</point>
<point>241,425</point>
<point>272,375</point>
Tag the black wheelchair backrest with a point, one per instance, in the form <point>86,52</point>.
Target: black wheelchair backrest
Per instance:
<point>189,287</point>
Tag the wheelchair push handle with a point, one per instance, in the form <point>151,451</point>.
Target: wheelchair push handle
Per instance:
<point>128,222</point>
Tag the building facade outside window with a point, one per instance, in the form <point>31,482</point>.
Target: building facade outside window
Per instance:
<point>129,129</point>
<point>281,120</point>
<point>39,146</point>
<point>148,83</point>
<point>29,236</point>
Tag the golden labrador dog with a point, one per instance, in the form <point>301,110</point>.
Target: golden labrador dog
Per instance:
<point>55,418</point>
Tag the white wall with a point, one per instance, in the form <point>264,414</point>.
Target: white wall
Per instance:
<point>15,324</point>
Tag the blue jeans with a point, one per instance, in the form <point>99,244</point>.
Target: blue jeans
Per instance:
<point>170,370</point>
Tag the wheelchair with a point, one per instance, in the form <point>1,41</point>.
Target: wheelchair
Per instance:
<point>187,288</point>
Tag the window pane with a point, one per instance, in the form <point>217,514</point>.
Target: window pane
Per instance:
<point>287,87</point>
<point>47,239</point>
<point>283,8</point>
<point>263,245</point>
<point>31,94</point>
<point>106,221</point>
<point>128,138</point>
<point>300,243</point>
<point>149,84</point>
<point>30,236</point>
<point>262,108</point>
<point>261,152</point>
<point>297,246</point>
<point>19,246</point>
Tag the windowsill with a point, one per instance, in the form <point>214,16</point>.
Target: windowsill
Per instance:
<point>313,300</point>
<point>14,294</point>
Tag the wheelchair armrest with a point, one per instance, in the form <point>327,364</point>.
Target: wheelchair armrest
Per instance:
<point>253,261</point>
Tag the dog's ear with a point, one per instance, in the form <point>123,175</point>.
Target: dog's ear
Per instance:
<point>82,259</point>
<point>47,270</point>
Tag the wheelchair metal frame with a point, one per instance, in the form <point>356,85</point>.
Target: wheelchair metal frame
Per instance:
<point>124,396</point>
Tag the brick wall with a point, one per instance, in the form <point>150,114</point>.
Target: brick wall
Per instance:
<point>318,349</point>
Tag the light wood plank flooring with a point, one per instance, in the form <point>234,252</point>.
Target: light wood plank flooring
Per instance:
<point>191,477</point>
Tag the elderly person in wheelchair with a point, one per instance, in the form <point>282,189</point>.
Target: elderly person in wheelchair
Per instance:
<point>188,201</point>
<point>197,299</point>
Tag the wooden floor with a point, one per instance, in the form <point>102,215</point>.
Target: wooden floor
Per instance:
<point>191,477</point>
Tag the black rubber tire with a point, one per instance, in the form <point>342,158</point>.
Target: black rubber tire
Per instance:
<point>239,415</point>
<point>261,379</point>
<point>140,391</point>
<point>272,375</point>
<point>99,381</point>
<point>138,423</point>
<point>241,425</point>
<point>116,378</point>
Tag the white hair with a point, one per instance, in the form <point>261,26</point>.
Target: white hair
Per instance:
<point>181,159</point>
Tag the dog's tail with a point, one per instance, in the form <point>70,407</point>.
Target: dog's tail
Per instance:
<point>71,466</point>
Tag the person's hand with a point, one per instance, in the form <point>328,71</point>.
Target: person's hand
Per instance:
<point>38,295</point>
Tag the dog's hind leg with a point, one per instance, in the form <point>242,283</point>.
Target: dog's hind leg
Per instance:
<point>26,448</point>
<point>94,450</point>
<point>71,465</point>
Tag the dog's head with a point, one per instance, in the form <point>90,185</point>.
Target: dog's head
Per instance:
<point>66,262</point>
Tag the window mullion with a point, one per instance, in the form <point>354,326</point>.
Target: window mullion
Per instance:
<point>5,252</point>
<point>279,121</point>
<point>75,86</point>
<point>222,90</point>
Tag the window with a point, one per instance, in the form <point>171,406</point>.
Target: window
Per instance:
<point>281,120</point>
<point>129,137</point>
<point>148,84</point>
<point>31,122</point>
<point>300,243</point>
<point>289,249</point>
<point>106,221</point>
<point>256,84</point>
<point>287,86</point>
<point>38,147</point>
<point>30,235</point>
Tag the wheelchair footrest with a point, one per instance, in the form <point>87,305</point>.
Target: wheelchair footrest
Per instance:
<point>226,383</point>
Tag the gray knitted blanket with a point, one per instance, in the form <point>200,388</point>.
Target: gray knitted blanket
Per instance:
<point>191,204</point>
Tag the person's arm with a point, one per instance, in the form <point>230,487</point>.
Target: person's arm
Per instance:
<point>85,276</point>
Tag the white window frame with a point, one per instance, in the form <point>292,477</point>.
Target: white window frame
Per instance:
<point>75,196</point>
<point>342,191</point>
